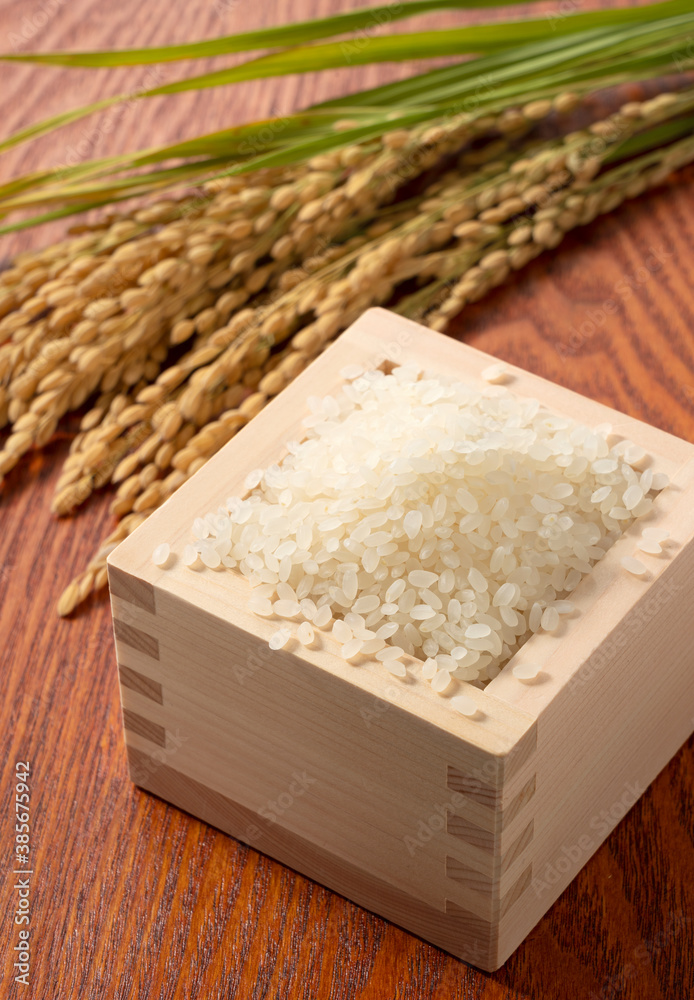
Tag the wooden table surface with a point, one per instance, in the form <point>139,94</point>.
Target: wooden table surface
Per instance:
<point>132,898</point>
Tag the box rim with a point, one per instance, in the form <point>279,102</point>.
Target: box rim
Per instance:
<point>393,342</point>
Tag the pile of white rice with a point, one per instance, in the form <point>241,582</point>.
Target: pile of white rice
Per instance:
<point>424,516</point>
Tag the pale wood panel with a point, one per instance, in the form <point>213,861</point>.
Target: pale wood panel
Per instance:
<point>253,715</point>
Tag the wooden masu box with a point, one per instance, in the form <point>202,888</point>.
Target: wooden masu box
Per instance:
<point>462,830</point>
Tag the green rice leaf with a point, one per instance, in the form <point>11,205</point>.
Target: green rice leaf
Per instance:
<point>435,83</point>
<point>583,61</point>
<point>653,139</point>
<point>225,146</point>
<point>420,45</point>
<point>61,213</point>
<point>369,50</point>
<point>282,36</point>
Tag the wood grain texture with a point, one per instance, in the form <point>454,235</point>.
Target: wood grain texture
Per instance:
<point>136,681</point>
<point>132,898</point>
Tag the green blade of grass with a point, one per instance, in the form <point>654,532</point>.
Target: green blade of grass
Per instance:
<point>234,144</point>
<point>135,185</point>
<point>49,125</point>
<point>376,49</point>
<point>653,139</point>
<point>308,144</point>
<point>522,73</point>
<point>422,45</point>
<point>588,56</point>
<point>301,33</point>
<point>592,57</point>
<point>434,82</point>
<point>61,213</point>
<point>282,36</point>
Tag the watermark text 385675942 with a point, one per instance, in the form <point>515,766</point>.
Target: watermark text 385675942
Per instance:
<point>22,871</point>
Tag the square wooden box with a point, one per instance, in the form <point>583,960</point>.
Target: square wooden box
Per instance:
<point>462,830</point>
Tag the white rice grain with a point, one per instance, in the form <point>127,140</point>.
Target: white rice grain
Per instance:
<point>280,638</point>
<point>161,554</point>
<point>634,566</point>
<point>419,516</point>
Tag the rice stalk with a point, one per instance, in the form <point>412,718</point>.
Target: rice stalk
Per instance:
<point>182,319</point>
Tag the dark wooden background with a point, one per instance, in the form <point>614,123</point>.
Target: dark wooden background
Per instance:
<point>131,898</point>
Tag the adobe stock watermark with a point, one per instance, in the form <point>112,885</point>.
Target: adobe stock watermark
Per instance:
<point>274,809</point>
<point>641,957</point>
<point>261,658</point>
<point>571,857</point>
<point>285,800</point>
<point>150,763</point>
<point>433,824</point>
<point>377,707</point>
<point>222,7</point>
<point>623,290</point>
<point>563,10</point>
<point>263,137</point>
<point>470,784</point>
<point>633,628</point>
<point>683,60</point>
<point>257,142</point>
<point>92,647</point>
<point>92,137</point>
<point>22,870</point>
<point>412,161</point>
<point>393,352</point>
<point>33,23</point>
<point>260,139</point>
<point>360,40</point>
